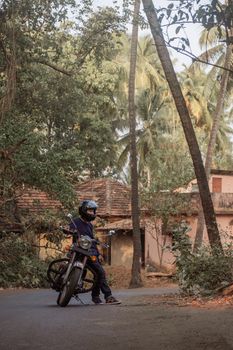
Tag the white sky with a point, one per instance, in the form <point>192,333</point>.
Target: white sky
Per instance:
<point>192,31</point>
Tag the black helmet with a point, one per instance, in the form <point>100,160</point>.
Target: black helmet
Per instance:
<point>88,204</point>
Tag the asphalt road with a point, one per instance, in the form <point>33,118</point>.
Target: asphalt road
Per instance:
<point>30,319</point>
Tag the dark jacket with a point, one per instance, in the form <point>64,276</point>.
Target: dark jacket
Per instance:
<point>85,228</point>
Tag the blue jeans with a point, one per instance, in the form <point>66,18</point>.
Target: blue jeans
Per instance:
<point>101,282</point>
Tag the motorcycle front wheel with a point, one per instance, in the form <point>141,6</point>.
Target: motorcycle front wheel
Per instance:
<point>68,289</point>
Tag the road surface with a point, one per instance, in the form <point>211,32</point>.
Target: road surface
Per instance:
<point>30,319</point>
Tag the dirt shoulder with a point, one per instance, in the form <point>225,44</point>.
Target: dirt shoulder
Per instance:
<point>119,278</point>
<point>181,301</point>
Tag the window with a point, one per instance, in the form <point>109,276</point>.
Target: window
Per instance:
<point>216,184</point>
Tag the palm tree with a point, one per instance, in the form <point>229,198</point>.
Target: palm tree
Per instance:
<point>136,280</point>
<point>214,131</point>
<point>179,100</point>
<point>193,82</point>
<point>155,123</point>
<point>200,100</point>
<point>149,69</point>
<point>153,102</point>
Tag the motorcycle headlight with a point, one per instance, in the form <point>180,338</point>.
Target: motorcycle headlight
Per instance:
<point>85,242</point>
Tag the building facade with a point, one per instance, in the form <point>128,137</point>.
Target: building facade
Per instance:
<point>114,213</point>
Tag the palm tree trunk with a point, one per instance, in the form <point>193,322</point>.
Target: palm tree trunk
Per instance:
<point>207,204</point>
<point>212,141</point>
<point>136,280</point>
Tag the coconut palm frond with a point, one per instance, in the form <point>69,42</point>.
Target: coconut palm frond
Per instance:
<point>209,56</point>
<point>123,157</point>
<point>209,38</point>
<point>124,140</point>
<point>213,77</point>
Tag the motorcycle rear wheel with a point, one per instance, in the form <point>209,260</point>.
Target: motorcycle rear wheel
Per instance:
<point>68,289</point>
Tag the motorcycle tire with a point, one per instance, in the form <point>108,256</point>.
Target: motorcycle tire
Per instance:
<point>55,271</point>
<point>89,279</point>
<point>68,289</point>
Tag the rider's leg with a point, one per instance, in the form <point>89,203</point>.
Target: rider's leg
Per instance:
<point>101,282</point>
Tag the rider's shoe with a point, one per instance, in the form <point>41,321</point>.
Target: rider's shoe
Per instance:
<point>111,300</point>
<point>97,300</point>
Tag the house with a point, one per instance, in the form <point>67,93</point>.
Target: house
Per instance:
<point>221,188</point>
<point>113,199</point>
<point>157,240</point>
<point>114,213</point>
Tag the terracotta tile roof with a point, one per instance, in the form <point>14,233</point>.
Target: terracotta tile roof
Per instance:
<point>124,224</point>
<point>36,201</point>
<point>112,197</point>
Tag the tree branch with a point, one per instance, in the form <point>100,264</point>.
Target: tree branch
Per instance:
<point>53,66</point>
<point>195,58</point>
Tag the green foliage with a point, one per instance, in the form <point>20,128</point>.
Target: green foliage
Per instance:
<point>59,96</point>
<point>171,165</point>
<point>19,264</point>
<point>66,88</point>
<point>203,272</point>
<point>209,14</point>
<point>31,165</point>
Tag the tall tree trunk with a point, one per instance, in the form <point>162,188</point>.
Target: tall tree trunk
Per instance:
<point>136,265</point>
<point>212,141</point>
<point>207,204</point>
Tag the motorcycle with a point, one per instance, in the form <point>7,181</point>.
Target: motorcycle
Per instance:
<point>72,276</point>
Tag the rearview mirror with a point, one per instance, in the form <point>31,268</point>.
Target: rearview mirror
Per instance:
<point>111,233</point>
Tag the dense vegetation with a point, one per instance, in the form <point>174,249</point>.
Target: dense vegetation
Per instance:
<point>63,100</point>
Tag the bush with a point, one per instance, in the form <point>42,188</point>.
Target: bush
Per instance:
<point>19,263</point>
<point>202,272</point>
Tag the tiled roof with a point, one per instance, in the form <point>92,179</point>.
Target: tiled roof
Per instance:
<point>124,224</point>
<point>36,201</point>
<point>221,172</point>
<point>112,197</point>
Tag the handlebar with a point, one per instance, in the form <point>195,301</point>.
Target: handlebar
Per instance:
<point>76,235</point>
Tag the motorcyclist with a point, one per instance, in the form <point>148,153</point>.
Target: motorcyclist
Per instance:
<point>87,212</point>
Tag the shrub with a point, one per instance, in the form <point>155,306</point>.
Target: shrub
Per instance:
<point>19,264</point>
<point>202,272</point>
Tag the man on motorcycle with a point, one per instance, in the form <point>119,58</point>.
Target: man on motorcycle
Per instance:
<point>87,212</point>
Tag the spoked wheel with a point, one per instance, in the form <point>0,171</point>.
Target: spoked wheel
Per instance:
<point>88,281</point>
<point>55,271</point>
<point>69,288</point>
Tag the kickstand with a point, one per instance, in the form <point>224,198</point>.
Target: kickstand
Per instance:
<point>78,299</point>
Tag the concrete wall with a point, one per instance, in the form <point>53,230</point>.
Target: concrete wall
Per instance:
<point>122,250</point>
<point>49,250</point>
<point>227,183</point>
<point>158,247</point>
